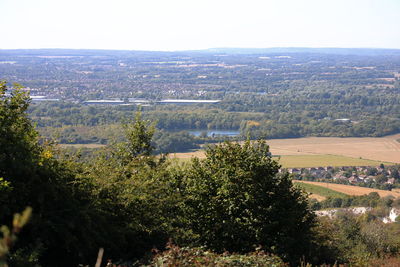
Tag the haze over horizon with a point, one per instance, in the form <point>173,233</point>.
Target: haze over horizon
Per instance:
<point>192,25</point>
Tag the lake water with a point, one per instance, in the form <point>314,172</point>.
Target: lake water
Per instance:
<point>215,132</point>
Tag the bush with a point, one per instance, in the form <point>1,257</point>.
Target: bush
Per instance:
<point>185,257</point>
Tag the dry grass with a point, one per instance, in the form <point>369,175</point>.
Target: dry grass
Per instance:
<point>383,149</point>
<point>188,155</point>
<point>299,161</point>
<point>354,190</point>
<point>379,149</point>
<point>82,145</point>
<point>304,161</point>
<point>317,197</point>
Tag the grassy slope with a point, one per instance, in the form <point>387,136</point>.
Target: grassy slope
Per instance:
<point>319,190</point>
<point>354,190</point>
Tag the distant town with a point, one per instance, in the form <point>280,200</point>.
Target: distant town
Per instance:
<point>382,177</point>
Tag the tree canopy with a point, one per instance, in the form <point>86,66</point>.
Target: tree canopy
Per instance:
<point>236,200</point>
<point>129,200</point>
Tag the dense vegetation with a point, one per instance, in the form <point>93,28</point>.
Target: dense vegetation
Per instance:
<point>129,201</point>
<point>187,257</point>
<point>371,200</point>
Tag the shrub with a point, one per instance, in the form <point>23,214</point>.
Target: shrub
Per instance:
<point>185,257</point>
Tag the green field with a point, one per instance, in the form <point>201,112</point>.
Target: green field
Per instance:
<point>319,190</point>
<point>319,160</point>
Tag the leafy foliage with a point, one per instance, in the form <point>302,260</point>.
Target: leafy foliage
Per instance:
<point>235,200</point>
<point>345,201</point>
<point>134,189</point>
<point>9,237</point>
<point>185,257</point>
<point>358,240</point>
<point>63,216</point>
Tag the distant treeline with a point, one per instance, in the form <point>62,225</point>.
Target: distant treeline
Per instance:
<point>72,122</point>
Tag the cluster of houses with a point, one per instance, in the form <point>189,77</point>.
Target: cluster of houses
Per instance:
<point>349,174</point>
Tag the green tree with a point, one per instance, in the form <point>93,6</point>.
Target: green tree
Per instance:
<point>135,192</point>
<point>124,201</point>
<point>138,136</point>
<point>63,231</point>
<point>236,200</point>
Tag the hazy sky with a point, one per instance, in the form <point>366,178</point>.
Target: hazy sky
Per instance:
<point>192,24</point>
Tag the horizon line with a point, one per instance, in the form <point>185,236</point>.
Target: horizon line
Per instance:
<point>205,49</point>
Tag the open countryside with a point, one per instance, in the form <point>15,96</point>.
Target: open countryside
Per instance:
<point>317,192</point>
<point>329,151</point>
<point>300,161</point>
<point>380,149</point>
<point>353,190</point>
<point>321,160</point>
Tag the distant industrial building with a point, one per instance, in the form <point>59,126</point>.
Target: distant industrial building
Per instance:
<point>141,101</point>
<point>343,120</point>
<point>104,102</point>
<point>138,101</point>
<point>42,98</point>
<point>186,101</point>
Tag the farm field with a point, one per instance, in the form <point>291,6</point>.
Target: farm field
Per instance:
<point>318,192</point>
<point>329,151</point>
<point>318,151</point>
<point>188,155</point>
<point>372,148</point>
<point>301,161</point>
<point>354,190</point>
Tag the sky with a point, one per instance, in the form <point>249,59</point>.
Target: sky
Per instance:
<point>166,25</point>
